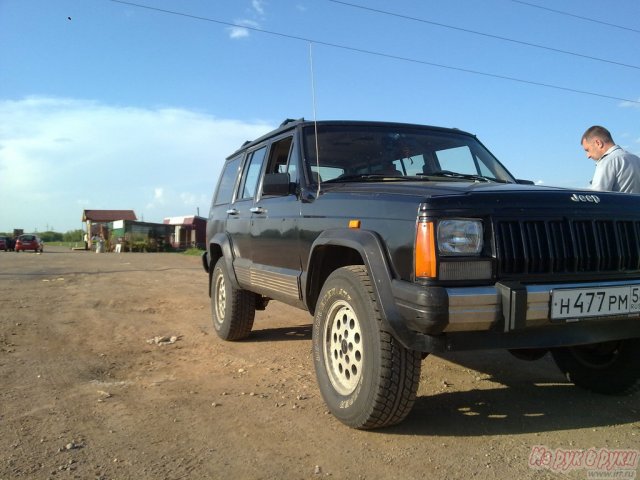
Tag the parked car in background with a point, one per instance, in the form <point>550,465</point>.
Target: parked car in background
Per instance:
<point>29,242</point>
<point>5,243</point>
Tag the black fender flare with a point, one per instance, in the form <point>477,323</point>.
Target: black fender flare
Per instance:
<point>374,256</point>
<point>223,242</point>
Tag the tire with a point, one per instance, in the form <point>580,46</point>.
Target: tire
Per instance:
<point>612,368</point>
<point>367,379</point>
<point>232,309</point>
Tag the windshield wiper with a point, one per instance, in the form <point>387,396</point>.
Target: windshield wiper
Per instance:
<point>465,176</point>
<point>363,177</point>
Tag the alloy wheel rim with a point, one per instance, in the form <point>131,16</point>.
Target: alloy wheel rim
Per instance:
<point>344,355</point>
<point>221,299</point>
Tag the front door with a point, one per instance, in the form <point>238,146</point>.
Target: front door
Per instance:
<point>274,229</point>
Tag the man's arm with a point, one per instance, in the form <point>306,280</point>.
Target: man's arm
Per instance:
<point>604,178</point>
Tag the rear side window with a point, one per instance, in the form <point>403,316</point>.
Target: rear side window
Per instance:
<point>252,174</point>
<point>227,181</point>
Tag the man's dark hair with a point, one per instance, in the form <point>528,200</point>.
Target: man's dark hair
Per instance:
<point>597,132</point>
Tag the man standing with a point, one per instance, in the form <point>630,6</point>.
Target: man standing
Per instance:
<point>616,169</point>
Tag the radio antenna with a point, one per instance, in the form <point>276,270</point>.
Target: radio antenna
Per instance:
<point>315,119</point>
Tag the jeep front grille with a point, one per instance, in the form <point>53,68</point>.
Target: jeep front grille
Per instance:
<point>567,246</point>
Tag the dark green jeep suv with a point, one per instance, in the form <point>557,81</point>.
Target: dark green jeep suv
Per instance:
<point>405,239</point>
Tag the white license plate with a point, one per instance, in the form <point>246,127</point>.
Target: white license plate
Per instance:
<point>595,302</point>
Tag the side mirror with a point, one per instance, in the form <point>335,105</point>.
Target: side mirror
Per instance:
<point>277,184</point>
<point>524,182</point>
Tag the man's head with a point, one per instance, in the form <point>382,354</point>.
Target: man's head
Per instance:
<point>596,141</point>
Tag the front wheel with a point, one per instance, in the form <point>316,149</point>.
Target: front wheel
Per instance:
<point>612,368</point>
<point>232,309</point>
<point>367,379</point>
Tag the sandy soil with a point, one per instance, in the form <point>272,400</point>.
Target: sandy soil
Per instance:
<point>87,393</point>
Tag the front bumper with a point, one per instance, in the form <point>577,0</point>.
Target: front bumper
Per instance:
<point>510,309</point>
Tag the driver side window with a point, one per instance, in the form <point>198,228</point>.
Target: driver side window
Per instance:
<point>283,159</point>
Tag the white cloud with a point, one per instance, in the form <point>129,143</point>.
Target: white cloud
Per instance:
<point>238,32</point>
<point>158,199</point>
<point>627,104</point>
<point>243,27</point>
<point>59,156</point>
<point>241,32</point>
<point>258,6</point>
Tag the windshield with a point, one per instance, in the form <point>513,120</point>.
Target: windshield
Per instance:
<point>372,152</point>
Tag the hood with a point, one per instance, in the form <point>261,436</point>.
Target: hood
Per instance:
<point>508,197</point>
<point>420,188</point>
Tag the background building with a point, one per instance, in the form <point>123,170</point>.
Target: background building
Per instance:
<point>97,221</point>
<point>188,232</point>
<point>134,236</point>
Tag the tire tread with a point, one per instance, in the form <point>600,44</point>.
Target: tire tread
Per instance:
<point>240,308</point>
<point>243,304</point>
<point>621,378</point>
<point>400,374</point>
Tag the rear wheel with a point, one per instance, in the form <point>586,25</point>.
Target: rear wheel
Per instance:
<point>611,368</point>
<point>367,379</point>
<point>233,310</point>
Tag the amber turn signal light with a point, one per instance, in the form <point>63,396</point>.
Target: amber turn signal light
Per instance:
<point>425,250</point>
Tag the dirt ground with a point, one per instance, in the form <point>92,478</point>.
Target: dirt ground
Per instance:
<point>88,392</point>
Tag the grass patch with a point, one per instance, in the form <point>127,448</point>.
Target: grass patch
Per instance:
<point>196,252</point>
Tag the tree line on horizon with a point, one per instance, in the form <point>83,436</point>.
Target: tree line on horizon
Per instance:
<point>51,236</point>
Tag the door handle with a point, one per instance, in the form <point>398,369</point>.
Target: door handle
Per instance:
<point>232,211</point>
<point>257,210</point>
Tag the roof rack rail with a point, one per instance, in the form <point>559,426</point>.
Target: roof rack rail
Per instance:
<point>289,120</point>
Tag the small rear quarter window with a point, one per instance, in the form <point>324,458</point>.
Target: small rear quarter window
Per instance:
<point>227,181</point>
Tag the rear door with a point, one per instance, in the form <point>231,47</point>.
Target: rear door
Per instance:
<point>239,213</point>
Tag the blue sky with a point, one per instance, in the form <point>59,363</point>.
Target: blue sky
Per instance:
<point>107,105</point>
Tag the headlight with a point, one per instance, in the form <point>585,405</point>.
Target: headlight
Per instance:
<point>460,237</point>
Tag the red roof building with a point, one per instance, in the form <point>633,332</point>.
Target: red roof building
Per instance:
<point>105,216</point>
<point>189,231</point>
<point>97,221</point>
